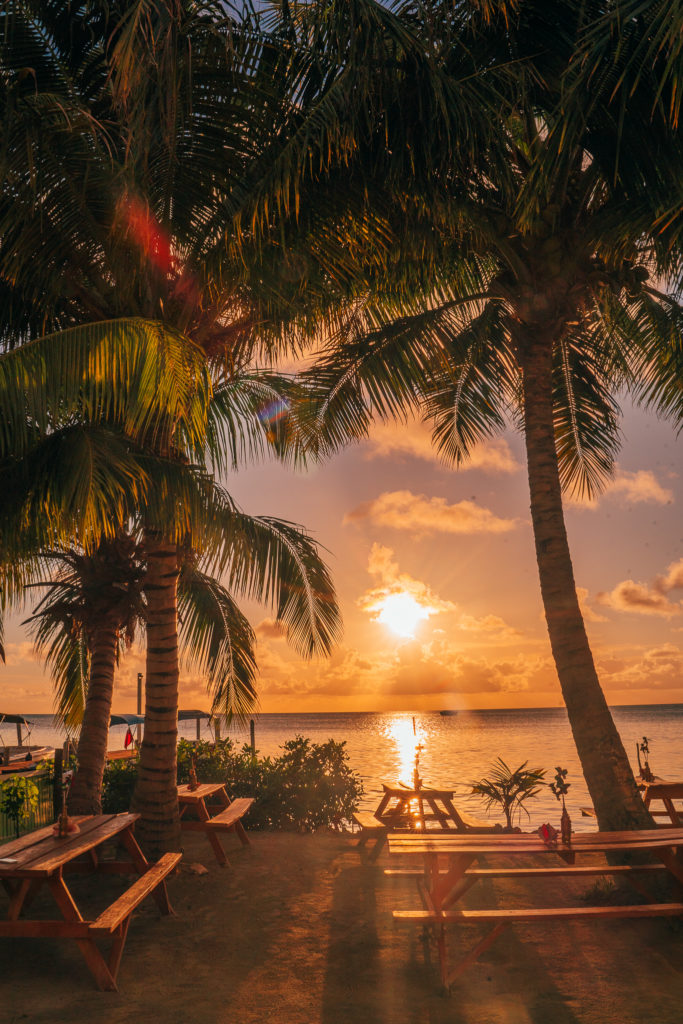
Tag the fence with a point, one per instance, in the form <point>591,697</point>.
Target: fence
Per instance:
<point>43,814</point>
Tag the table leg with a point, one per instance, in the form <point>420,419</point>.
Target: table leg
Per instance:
<point>673,813</point>
<point>203,815</point>
<point>17,899</point>
<point>96,963</point>
<point>454,816</point>
<point>447,889</point>
<point>673,862</point>
<point>141,864</point>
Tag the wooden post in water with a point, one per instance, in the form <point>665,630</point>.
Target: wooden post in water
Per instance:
<point>252,734</point>
<point>57,791</point>
<point>217,729</point>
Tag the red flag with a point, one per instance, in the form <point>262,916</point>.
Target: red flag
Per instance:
<point>129,739</point>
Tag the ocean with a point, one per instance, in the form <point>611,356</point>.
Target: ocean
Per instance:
<point>455,750</point>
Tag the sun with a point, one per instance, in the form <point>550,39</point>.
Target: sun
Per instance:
<point>402,613</point>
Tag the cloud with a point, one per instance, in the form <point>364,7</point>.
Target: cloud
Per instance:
<point>631,489</point>
<point>393,583</point>
<point>647,599</point>
<point>629,596</point>
<point>589,613</point>
<point>415,439</point>
<point>270,628</point>
<point>658,668</point>
<point>490,624</point>
<point>403,510</point>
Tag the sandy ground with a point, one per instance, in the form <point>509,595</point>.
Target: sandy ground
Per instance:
<point>299,931</point>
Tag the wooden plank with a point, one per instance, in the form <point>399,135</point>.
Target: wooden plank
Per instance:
<point>402,793</point>
<point>540,913</point>
<point>531,844</point>
<point>124,906</point>
<point>204,789</point>
<point>44,929</point>
<point>49,852</point>
<point>588,870</point>
<point>368,822</point>
<point>232,814</point>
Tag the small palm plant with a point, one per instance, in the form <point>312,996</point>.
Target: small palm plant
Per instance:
<point>511,789</point>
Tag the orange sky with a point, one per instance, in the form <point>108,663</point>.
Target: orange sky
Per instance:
<point>459,544</point>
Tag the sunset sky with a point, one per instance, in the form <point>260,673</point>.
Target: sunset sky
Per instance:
<point>415,546</point>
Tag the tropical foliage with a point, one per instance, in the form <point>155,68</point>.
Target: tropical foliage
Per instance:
<point>308,786</point>
<point>539,310</point>
<point>509,788</point>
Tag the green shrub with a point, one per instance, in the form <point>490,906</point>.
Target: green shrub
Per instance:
<point>308,786</point>
<point>509,788</point>
<point>18,799</point>
<point>118,784</point>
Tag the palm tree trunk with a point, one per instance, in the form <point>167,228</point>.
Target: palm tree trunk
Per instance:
<point>155,796</point>
<point>85,796</point>
<point>605,765</point>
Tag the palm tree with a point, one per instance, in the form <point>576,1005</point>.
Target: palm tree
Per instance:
<point>541,308</point>
<point>138,154</point>
<point>92,603</point>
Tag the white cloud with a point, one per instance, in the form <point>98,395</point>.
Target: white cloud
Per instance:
<point>647,598</point>
<point>403,510</point>
<point>629,489</point>
<point>414,439</point>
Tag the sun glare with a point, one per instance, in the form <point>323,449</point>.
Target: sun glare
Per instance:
<point>402,614</point>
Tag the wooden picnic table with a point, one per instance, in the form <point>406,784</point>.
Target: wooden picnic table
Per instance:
<point>666,792</point>
<point>663,791</point>
<point>42,858</point>
<point>422,809</point>
<point>446,873</point>
<point>213,812</point>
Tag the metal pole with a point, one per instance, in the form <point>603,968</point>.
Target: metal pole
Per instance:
<point>139,729</point>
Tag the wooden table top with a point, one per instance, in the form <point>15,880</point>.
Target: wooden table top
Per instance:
<point>531,842</point>
<point>204,789</point>
<point>673,789</point>
<point>41,853</point>
<point>425,791</point>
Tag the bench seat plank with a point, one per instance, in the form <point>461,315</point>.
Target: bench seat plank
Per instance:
<point>540,913</point>
<point>232,814</point>
<point>123,907</point>
<point>583,869</point>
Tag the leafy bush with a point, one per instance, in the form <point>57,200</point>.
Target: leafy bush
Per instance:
<point>509,789</point>
<point>118,784</point>
<point>308,786</point>
<point>18,798</point>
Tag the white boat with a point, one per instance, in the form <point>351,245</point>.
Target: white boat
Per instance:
<point>21,756</point>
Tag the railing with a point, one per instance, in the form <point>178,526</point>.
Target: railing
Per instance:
<point>42,814</point>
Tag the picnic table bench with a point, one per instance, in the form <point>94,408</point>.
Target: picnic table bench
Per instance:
<point>214,812</point>
<point>42,858</point>
<point>404,809</point>
<point>443,883</point>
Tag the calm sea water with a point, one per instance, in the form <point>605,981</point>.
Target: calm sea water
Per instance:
<point>456,750</point>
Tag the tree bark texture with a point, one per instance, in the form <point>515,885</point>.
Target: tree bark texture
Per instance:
<point>85,796</point>
<point>605,765</point>
<point>156,797</point>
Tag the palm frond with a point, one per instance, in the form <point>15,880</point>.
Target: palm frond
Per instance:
<point>217,639</point>
<point>142,376</point>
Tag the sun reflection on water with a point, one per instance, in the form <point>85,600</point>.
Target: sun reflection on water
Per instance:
<point>409,738</point>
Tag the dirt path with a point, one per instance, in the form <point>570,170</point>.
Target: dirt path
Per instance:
<point>299,931</point>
